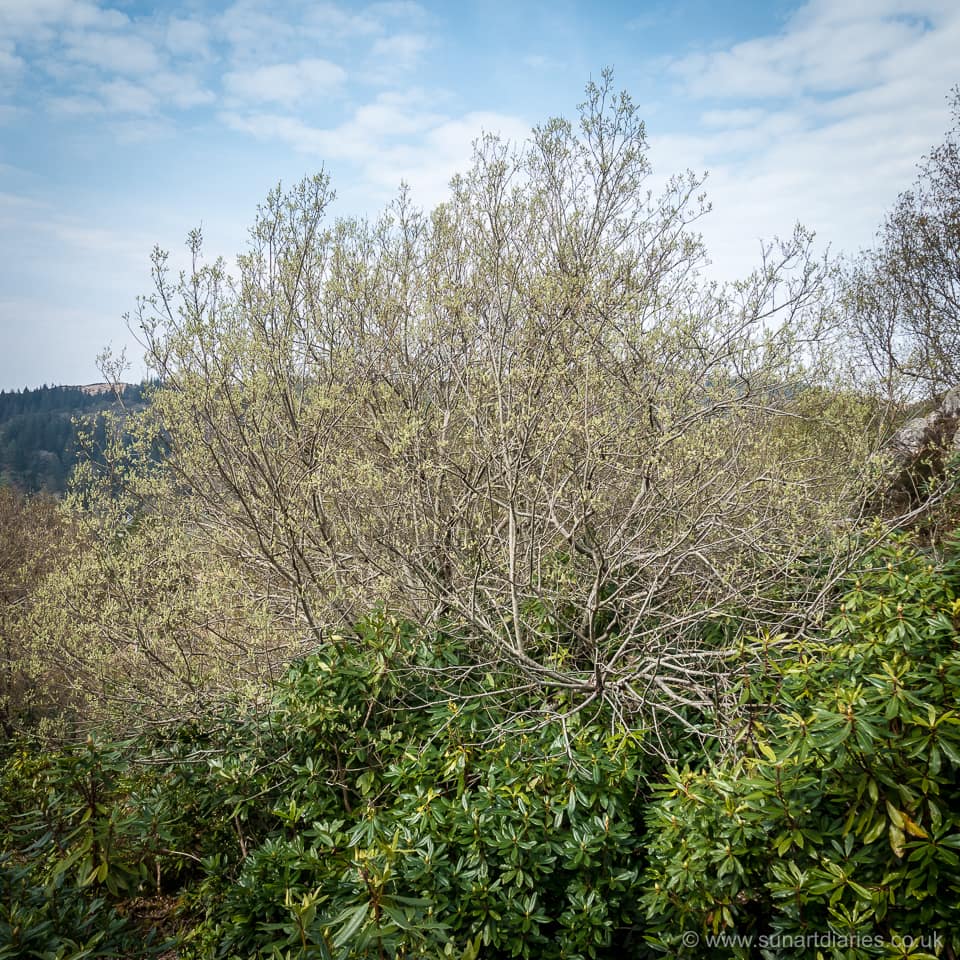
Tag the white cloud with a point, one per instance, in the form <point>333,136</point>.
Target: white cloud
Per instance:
<point>102,62</point>
<point>77,105</point>
<point>253,34</point>
<point>12,205</point>
<point>188,38</point>
<point>31,19</point>
<point>289,130</point>
<point>179,89</point>
<point>808,124</point>
<point>100,240</point>
<point>31,25</point>
<point>395,138</point>
<point>334,23</point>
<point>10,63</point>
<point>733,118</point>
<point>121,96</point>
<point>389,117</point>
<point>824,47</point>
<point>538,61</point>
<point>447,148</point>
<point>115,53</point>
<point>142,129</point>
<point>285,83</point>
<point>328,22</point>
<point>390,56</point>
<point>400,9</point>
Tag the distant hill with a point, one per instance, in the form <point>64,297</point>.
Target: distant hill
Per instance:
<point>38,447</point>
<point>98,389</point>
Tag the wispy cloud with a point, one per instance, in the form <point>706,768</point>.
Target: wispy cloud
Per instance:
<point>398,52</point>
<point>807,124</point>
<point>538,61</point>
<point>186,37</point>
<point>394,138</point>
<point>34,20</point>
<point>400,9</point>
<point>181,89</point>
<point>80,57</point>
<point>13,204</point>
<point>10,63</point>
<point>285,83</point>
<point>113,52</point>
<point>825,47</point>
<point>75,105</point>
<point>254,34</point>
<point>122,96</point>
<point>99,60</point>
<point>364,135</point>
<point>334,24</point>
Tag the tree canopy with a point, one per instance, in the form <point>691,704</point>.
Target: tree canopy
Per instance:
<point>523,415</point>
<point>903,295</point>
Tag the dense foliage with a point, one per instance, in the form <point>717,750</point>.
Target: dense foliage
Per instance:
<point>367,808</point>
<point>842,814</point>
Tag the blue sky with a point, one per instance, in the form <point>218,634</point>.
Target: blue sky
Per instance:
<point>125,124</point>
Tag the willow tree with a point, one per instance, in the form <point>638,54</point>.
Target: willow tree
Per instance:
<point>903,294</point>
<point>522,416</point>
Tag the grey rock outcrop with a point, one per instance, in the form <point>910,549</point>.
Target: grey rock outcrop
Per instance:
<point>918,452</point>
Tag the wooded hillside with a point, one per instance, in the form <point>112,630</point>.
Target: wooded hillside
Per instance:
<point>38,436</point>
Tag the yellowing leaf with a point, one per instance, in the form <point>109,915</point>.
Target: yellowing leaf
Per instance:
<point>897,841</point>
<point>914,829</point>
